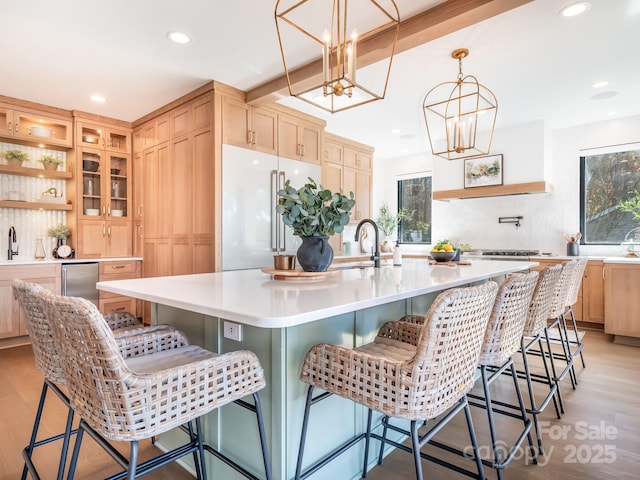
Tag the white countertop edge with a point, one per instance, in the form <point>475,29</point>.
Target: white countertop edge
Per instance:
<point>166,291</point>
<point>8,263</point>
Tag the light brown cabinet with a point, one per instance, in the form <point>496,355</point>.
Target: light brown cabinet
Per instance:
<point>299,140</point>
<point>333,179</point>
<point>591,297</point>
<point>356,161</point>
<point>249,126</point>
<point>104,204</point>
<point>11,320</point>
<point>103,217</point>
<point>174,193</point>
<point>34,127</point>
<point>118,270</point>
<point>103,137</point>
<point>622,302</point>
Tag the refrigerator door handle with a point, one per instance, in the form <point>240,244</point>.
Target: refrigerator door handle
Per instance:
<point>275,239</point>
<point>282,240</point>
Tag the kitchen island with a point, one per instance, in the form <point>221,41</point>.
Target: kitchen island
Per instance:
<point>280,320</point>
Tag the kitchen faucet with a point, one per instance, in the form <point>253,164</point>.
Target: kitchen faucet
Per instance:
<point>375,255</point>
<point>12,244</point>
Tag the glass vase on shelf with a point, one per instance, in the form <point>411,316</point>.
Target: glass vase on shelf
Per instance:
<point>39,255</point>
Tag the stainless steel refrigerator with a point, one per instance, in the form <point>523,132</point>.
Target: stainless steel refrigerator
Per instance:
<point>252,231</point>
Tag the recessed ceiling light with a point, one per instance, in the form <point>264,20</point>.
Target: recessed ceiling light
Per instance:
<point>575,9</point>
<point>604,83</point>
<point>179,37</point>
<point>98,98</point>
<point>395,131</point>
<point>611,113</point>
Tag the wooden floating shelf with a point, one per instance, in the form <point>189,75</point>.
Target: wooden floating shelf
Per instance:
<point>35,205</point>
<point>494,191</point>
<point>36,172</point>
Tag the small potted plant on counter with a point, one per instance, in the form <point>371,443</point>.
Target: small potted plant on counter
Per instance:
<point>50,162</point>
<point>15,157</point>
<point>388,223</point>
<point>314,213</point>
<point>60,232</point>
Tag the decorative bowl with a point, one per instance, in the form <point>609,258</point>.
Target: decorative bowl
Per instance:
<point>443,256</point>
<point>90,166</point>
<point>92,212</point>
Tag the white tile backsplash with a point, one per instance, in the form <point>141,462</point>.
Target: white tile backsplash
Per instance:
<point>29,224</point>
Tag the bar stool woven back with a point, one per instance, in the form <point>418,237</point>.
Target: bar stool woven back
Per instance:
<point>541,301</point>
<point>504,330</point>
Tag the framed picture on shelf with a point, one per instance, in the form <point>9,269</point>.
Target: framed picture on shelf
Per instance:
<point>483,171</point>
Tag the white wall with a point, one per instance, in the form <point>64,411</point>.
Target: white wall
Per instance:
<point>532,152</point>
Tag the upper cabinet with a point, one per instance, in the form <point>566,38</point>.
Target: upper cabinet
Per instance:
<point>299,140</point>
<point>274,129</point>
<point>247,126</point>
<point>351,163</point>
<point>103,137</point>
<point>34,127</point>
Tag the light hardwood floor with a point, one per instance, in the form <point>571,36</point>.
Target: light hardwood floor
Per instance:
<point>605,408</point>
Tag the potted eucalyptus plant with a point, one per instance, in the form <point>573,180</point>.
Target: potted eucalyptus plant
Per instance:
<point>15,157</point>
<point>314,213</point>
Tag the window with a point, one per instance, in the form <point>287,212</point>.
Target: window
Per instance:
<point>414,194</point>
<point>607,178</point>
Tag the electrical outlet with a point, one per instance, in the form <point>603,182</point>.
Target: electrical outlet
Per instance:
<point>233,331</point>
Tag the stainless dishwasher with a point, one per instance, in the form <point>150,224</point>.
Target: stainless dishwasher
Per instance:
<point>79,280</point>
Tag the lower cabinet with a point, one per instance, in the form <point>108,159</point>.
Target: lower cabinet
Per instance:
<point>590,305</point>
<point>622,302</point>
<point>11,320</point>
<point>118,270</point>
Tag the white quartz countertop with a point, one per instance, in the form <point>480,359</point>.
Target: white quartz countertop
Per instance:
<point>255,298</point>
<point>66,260</point>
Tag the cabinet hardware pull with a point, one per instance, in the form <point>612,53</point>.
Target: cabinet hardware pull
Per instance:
<point>16,127</point>
<point>117,267</point>
<point>104,230</point>
<point>249,137</point>
<point>109,230</point>
<point>119,309</point>
<point>140,230</point>
<point>255,138</point>
<point>104,209</point>
<point>140,210</point>
<point>109,209</point>
<point>10,127</point>
<point>302,150</point>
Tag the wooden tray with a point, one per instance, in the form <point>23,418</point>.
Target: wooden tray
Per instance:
<point>297,274</point>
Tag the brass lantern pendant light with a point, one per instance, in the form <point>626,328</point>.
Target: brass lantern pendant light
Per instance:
<point>460,116</point>
<point>341,34</point>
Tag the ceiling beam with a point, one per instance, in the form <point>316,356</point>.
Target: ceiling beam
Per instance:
<point>443,19</point>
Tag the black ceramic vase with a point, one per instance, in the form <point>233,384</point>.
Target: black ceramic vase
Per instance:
<point>315,254</point>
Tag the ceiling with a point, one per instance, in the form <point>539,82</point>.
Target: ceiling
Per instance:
<point>539,65</point>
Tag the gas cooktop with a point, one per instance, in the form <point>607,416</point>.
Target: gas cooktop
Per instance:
<point>511,253</point>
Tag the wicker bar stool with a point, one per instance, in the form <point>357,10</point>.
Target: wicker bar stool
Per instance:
<point>424,378</point>
<point>557,336</point>
<point>132,399</point>
<point>134,339</point>
<point>575,336</point>
<point>532,336</point>
<point>501,341</point>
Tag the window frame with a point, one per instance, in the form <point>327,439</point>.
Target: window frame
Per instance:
<point>429,201</point>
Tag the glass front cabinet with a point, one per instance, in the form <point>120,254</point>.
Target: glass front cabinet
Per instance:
<point>105,205</point>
